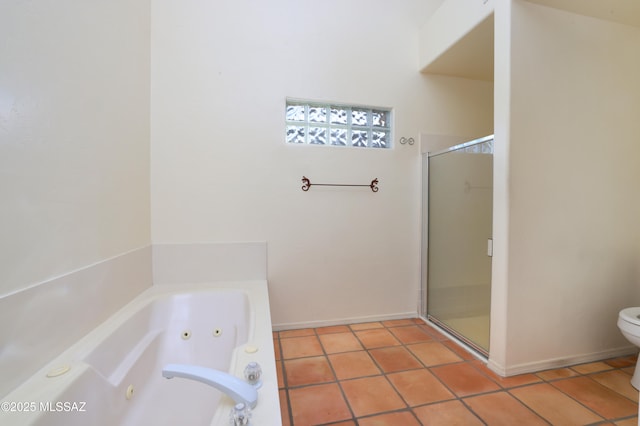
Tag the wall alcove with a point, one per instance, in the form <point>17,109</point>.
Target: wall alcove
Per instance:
<point>564,101</point>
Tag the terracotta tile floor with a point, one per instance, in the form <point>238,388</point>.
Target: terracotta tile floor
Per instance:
<point>405,373</point>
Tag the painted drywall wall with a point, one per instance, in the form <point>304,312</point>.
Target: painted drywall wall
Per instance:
<point>74,136</point>
<point>40,322</point>
<point>456,110</point>
<point>448,25</point>
<point>74,168</point>
<point>221,170</point>
<point>470,57</point>
<point>573,233</point>
<point>501,186</point>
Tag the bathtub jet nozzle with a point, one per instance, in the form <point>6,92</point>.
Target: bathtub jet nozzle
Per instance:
<point>238,390</point>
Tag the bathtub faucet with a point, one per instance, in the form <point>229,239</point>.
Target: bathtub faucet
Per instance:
<point>237,389</point>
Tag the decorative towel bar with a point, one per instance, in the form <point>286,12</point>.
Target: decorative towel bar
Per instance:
<point>307,184</point>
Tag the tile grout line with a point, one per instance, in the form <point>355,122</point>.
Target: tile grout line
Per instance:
<point>424,367</point>
<point>542,380</point>
<point>456,397</point>
<point>382,373</point>
<point>405,346</point>
<point>285,382</point>
<point>551,382</point>
<point>326,357</point>
<point>408,408</point>
<point>606,419</point>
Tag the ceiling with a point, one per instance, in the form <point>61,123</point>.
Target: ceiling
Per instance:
<point>622,11</point>
<point>472,56</point>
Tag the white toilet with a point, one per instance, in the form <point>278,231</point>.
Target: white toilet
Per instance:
<point>629,324</point>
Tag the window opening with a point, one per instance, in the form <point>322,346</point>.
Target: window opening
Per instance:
<point>332,124</point>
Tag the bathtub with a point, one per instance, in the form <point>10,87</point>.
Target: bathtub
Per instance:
<point>113,376</point>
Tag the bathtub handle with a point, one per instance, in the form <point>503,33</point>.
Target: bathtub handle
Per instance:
<point>237,389</point>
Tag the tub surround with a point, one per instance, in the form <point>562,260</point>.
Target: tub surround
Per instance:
<point>116,369</point>
<point>209,262</point>
<point>343,321</point>
<point>41,321</point>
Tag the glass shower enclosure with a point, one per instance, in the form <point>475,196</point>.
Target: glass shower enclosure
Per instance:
<point>458,242</point>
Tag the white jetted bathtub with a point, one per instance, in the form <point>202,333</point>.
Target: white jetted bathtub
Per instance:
<point>114,375</point>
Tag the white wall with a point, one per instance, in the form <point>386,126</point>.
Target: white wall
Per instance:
<point>455,110</point>
<point>573,230</point>
<point>448,25</point>
<point>74,136</point>
<point>221,170</point>
<point>74,172</point>
<point>501,186</point>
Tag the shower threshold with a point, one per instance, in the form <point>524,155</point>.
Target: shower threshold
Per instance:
<point>472,347</point>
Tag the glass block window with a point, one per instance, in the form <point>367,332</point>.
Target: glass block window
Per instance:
<point>337,125</point>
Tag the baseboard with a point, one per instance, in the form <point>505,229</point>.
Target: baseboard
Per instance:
<point>549,364</point>
<point>343,321</point>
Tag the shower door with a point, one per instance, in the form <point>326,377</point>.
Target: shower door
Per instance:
<point>459,245</point>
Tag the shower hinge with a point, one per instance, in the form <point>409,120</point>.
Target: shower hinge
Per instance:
<point>490,247</point>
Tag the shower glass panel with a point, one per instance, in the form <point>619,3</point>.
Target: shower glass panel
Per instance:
<point>460,210</point>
